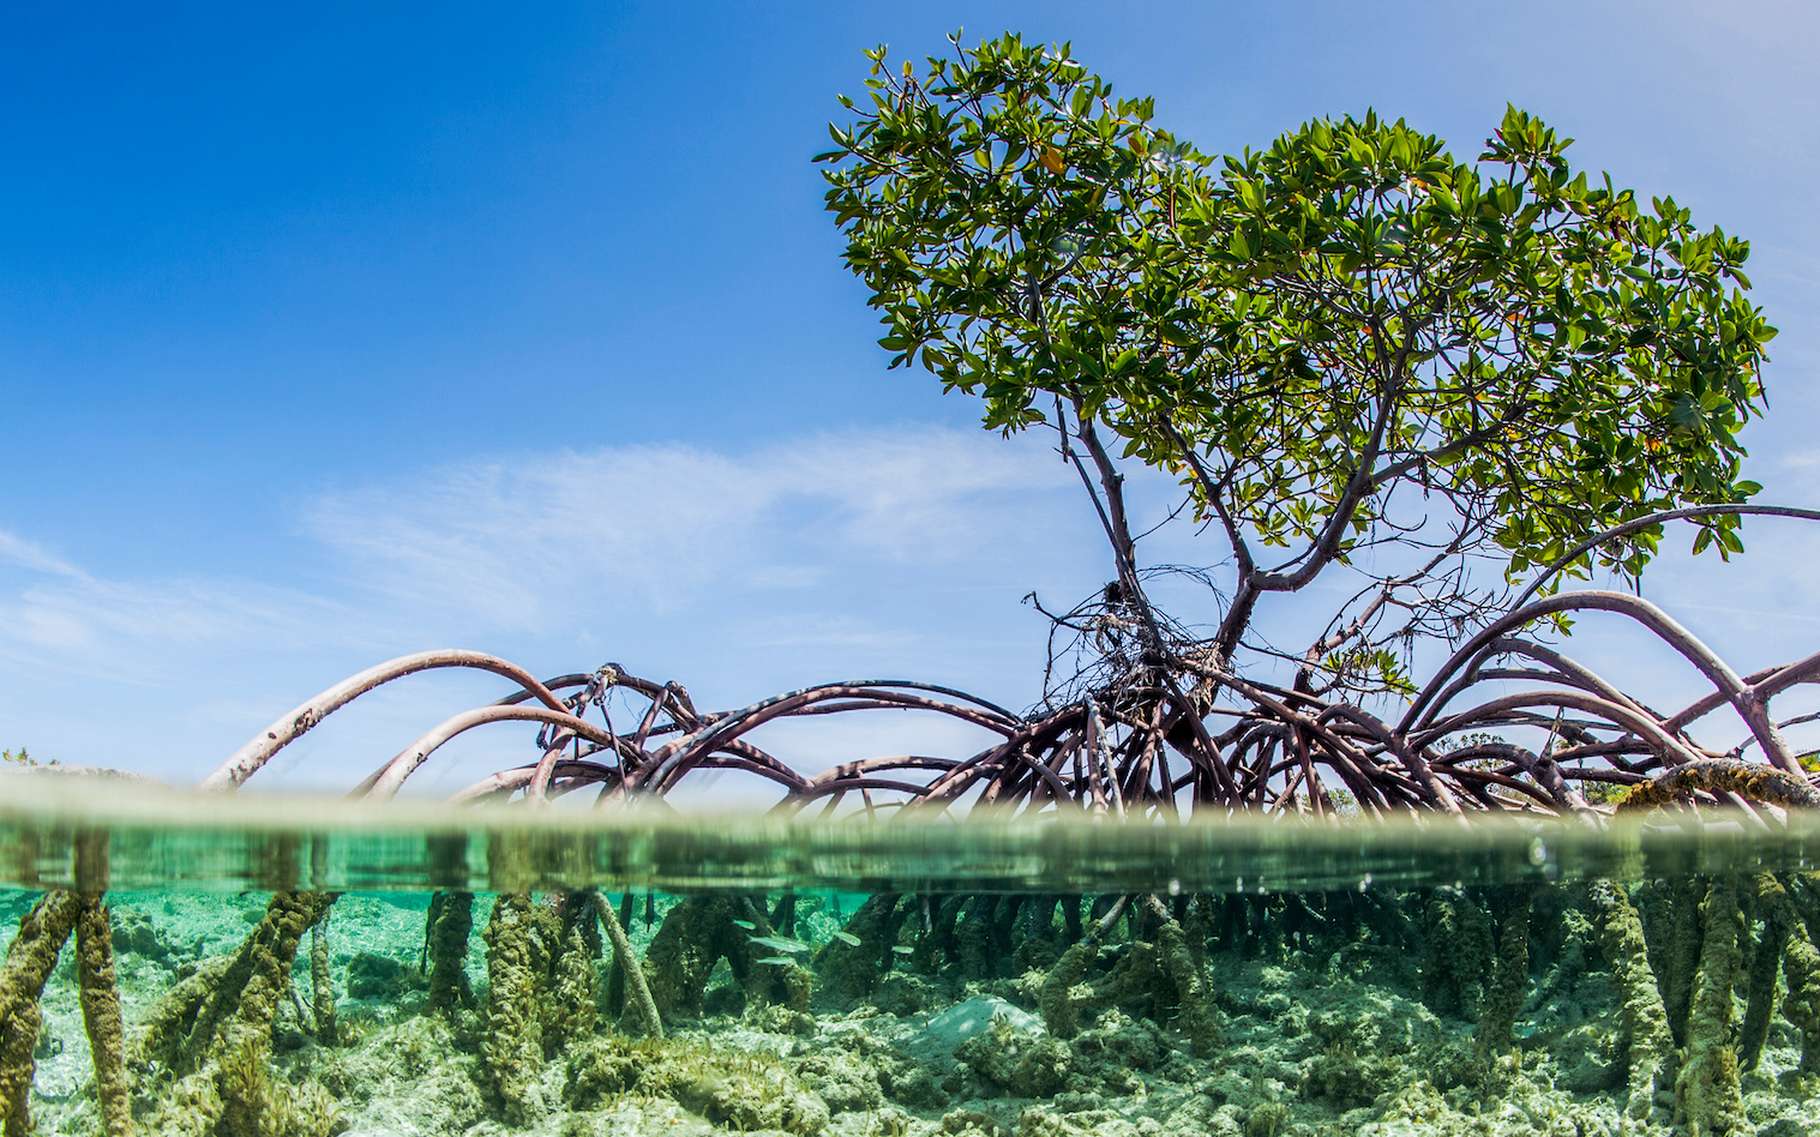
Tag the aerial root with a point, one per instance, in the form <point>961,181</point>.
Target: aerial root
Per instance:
<point>1748,780</point>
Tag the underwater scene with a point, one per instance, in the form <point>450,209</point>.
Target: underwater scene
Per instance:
<point>264,966</point>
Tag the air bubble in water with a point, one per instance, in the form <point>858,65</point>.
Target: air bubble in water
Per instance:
<point>1175,888</point>
<point>1364,882</point>
<point>1538,851</point>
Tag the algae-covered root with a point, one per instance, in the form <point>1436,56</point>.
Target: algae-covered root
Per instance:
<point>851,967</point>
<point>1647,1038</point>
<point>1461,954</point>
<point>1057,1001</point>
<point>1509,979</point>
<point>231,1091</point>
<point>450,924</point>
<point>1801,969</point>
<point>512,1048</point>
<point>101,1016</point>
<point>629,967</point>
<point>322,983</point>
<point>1771,905</point>
<point>1193,990</point>
<point>570,1011</point>
<point>1753,781</point>
<point>29,961</point>
<point>1709,1099</point>
<point>1670,910</point>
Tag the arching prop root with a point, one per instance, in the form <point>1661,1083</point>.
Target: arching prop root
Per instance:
<point>212,1036</point>
<point>1748,780</point>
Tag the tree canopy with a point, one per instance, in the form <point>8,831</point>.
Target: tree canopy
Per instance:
<point>1350,346</point>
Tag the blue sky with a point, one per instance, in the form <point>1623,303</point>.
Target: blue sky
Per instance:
<point>336,334</point>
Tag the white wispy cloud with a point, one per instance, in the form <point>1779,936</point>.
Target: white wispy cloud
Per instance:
<point>33,557</point>
<point>522,543</point>
<point>738,570</point>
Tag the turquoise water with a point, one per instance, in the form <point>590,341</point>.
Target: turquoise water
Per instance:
<point>296,966</point>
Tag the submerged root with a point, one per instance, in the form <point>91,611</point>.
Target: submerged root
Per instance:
<point>1770,901</point>
<point>1509,977</point>
<point>1195,1011</point>
<point>100,996</point>
<point>1065,990</point>
<point>512,1048</point>
<point>29,961</point>
<point>322,983</point>
<point>450,924</point>
<point>1461,954</point>
<point>1649,1043</point>
<point>1671,928</point>
<point>1801,970</point>
<point>643,1007</point>
<point>216,1038</point>
<point>570,1010</point>
<point>850,968</point>
<point>1709,1099</point>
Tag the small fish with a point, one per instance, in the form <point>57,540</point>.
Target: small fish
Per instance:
<point>779,943</point>
<point>746,924</point>
<point>847,938</point>
<point>903,949</point>
<point>777,961</point>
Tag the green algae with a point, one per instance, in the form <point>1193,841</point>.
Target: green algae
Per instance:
<point>218,1079</point>
<point>1295,1015</point>
<point>512,1045</point>
<point>449,924</point>
<point>1648,1043</point>
<point>101,1017</point>
<point>1709,1097</point>
<point>29,960</point>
